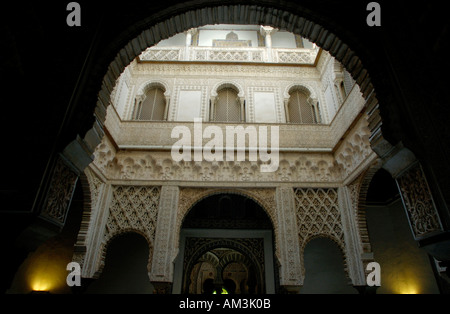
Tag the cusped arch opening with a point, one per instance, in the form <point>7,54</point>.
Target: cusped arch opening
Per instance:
<point>227,210</point>
<point>126,263</point>
<point>325,271</point>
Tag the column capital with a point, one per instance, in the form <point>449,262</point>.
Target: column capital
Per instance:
<point>267,30</point>
<point>191,31</point>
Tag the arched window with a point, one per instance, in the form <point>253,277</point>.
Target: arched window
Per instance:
<point>300,110</point>
<point>227,107</point>
<point>152,107</point>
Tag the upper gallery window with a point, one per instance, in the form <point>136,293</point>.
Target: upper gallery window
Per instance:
<point>227,107</point>
<point>300,109</point>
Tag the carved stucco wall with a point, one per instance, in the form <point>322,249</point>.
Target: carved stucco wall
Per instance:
<point>333,157</point>
<point>297,215</point>
<point>60,192</point>
<point>315,32</point>
<point>328,212</point>
<point>250,78</point>
<point>350,157</point>
<point>418,201</point>
<point>120,179</point>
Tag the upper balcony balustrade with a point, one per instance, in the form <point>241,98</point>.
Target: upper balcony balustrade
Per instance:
<point>301,56</point>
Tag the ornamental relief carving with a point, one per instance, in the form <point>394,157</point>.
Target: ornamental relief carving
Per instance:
<point>228,70</point>
<point>95,184</point>
<point>313,167</point>
<point>356,204</point>
<point>85,234</point>
<point>104,153</point>
<point>159,166</point>
<point>418,201</point>
<point>60,192</point>
<point>132,209</point>
<point>318,215</point>
<point>355,148</point>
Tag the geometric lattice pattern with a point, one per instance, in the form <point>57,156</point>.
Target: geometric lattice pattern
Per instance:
<point>161,55</point>
<point>133,208</point>
<point>300,111</point>
<point>318,214</point>
<point>152,108</point>
<point>228,108</point>
<point>295,57</point>
<point>228,55</point>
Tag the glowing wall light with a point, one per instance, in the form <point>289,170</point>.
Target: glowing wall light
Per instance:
<point>408,287</point>
<point>407,282</point>
<point>408,290</point>
<point>40,285</point>
<point>46,274</point>
<point>41,280</point>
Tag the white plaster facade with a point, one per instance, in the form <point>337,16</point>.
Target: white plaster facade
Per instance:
<point>136,186</point>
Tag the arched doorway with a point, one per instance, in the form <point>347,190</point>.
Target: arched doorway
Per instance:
<point>125,270</point>
<point>324,269</point>
<point>226,246</point>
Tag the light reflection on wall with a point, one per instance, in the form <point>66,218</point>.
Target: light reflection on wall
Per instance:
<point>44,269</point>
<point>46,275</point>
<point>407,282</point>
<point>405,268</point>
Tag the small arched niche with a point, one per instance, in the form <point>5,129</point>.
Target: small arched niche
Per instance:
<point>324,269</point>
<point>126,267</point>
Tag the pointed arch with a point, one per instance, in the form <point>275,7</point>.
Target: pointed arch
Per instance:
<point>105,245</point>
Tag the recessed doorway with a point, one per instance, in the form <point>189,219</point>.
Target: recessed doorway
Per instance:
<point>226,247</point>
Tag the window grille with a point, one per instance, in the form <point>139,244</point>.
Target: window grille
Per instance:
<point>227,108</point>
<point>300,110</point>
<point>153,106</point>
